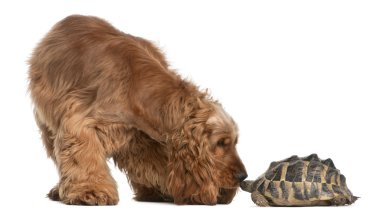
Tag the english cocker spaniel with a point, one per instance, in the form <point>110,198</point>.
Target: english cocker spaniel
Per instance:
<point>100,93</point>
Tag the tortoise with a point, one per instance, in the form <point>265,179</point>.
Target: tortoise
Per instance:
<point>307,181</point>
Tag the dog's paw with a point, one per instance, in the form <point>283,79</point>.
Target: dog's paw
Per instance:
<point>54,194</point>
<point>90,196</point>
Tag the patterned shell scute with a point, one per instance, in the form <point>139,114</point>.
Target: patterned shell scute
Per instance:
<point>294,171</point>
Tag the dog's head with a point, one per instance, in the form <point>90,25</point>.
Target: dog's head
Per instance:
<point>223,137</point>
<point>204,167</point>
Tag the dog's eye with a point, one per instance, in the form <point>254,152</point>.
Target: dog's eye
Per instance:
<point>221,143</point>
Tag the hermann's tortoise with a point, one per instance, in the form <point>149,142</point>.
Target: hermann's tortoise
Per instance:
<point>296,181</point>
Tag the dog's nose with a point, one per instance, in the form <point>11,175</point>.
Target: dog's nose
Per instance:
<point>241,176</point>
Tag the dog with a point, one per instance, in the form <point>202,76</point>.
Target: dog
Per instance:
<point>99,93</point>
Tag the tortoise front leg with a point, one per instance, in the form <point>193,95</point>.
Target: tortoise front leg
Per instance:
<point>259,199</point>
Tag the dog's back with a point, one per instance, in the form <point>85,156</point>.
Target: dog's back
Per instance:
<point>83,59</point>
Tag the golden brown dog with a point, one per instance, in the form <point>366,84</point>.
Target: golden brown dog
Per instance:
<point>101,93</point>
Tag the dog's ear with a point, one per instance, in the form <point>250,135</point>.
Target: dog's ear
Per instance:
<point>191,178</point>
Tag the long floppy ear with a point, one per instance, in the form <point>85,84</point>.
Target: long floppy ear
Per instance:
<point>191,179</point>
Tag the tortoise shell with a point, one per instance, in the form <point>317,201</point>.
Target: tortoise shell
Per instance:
<point>307,181</point>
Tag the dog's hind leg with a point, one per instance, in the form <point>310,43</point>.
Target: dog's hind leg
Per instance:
<point>48,136</point>
<point>81,159</point>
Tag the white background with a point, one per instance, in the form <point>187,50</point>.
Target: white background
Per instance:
<point>298,77</point>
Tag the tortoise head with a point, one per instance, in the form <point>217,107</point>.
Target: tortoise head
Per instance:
<point>247,185</point>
